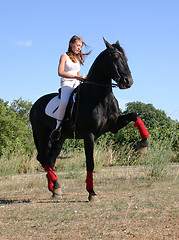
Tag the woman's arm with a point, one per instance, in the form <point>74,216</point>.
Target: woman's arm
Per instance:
<point>61,68</point>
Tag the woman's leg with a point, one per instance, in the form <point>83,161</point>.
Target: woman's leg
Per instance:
<point>65,95</point>
<point>66,92</point>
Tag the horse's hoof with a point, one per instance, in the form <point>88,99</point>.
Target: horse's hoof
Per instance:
<point>56,192</point>
<point>142,146</point>
<point>143,150</point>
<point>93,198</point>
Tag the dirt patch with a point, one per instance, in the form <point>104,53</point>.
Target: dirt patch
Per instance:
<point>132,206</point>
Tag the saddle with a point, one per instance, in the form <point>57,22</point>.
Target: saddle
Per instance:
<point>53,104</point>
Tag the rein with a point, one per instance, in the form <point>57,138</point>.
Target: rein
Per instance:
<point>101,84</point>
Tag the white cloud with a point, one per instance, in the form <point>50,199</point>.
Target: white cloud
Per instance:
<point>26,43</point>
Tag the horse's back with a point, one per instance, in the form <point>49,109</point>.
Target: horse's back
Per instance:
<point>37,112</point>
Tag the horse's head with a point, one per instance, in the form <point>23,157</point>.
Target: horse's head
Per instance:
<point>119,69</point>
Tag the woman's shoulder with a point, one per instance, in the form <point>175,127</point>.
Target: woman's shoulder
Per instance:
<point>63,57</point>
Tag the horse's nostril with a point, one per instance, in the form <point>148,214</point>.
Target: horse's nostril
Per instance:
<point>126,80</point>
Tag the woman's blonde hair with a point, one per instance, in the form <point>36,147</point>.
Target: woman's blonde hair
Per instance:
<point>81,56</point>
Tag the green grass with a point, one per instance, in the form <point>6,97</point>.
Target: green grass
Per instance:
<point>18,163</point>
<point>158,158</point>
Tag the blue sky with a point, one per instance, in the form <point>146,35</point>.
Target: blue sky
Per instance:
<point>34,33</point>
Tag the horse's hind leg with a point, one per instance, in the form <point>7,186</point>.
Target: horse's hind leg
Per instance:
<point>54,150</point>
<point>47,159</point>
<point>89,146</point>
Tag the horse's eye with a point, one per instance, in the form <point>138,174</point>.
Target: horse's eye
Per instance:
<point>115,59</point>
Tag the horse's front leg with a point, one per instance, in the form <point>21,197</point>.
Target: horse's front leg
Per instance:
<point>123,120</point>
<point>143,144</point>
<point>89,147</point>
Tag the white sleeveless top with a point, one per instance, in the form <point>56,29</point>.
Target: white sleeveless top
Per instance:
<point>71,67</point>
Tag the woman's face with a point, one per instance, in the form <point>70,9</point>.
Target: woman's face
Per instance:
<point>76,46</point>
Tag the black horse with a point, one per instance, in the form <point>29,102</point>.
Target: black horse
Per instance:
<point>95,112</point>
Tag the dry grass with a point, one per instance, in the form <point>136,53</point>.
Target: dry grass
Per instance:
<point>132,206</point>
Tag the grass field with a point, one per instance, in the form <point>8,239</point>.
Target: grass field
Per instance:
<point>132,206</point>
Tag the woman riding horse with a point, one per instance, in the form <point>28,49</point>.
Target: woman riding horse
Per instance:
<point>95,112</point>
<point>69,70</point>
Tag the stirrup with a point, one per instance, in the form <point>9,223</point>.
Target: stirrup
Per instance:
<point>55,135</point>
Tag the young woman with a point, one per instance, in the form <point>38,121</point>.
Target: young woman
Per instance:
<point>69,71</point>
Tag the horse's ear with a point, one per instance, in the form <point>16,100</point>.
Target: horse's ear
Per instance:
<point>108,45</point>
<point>117,43</point>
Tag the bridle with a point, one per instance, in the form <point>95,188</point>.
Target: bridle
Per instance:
<point>116,79</point>
<point>118,75</point>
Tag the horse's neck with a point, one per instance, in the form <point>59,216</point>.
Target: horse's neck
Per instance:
<point>100,84</point>
<point>96,73</point>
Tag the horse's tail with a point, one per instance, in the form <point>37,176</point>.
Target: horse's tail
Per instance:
<point>31,116</point>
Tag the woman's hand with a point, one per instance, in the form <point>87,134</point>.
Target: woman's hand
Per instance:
<point>81,78</point>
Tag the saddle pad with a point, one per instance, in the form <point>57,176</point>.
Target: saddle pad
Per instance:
<point>52,106</point>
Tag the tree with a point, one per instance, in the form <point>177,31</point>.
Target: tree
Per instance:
<point>15,131</point>
<point>22,109</point>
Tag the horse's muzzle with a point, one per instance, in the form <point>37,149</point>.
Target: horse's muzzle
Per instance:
<point>124,83</point>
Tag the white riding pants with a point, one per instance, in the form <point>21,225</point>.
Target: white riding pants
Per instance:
<point>67,87</point>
